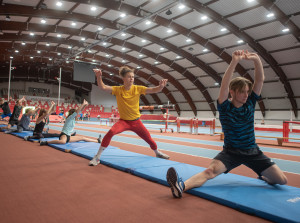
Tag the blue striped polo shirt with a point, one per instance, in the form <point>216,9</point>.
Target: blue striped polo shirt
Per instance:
<point>238,123</point>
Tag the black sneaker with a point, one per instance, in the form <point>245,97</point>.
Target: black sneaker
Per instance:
<point>99,139</point>
<point>43,143</point>
<point>175,182</point>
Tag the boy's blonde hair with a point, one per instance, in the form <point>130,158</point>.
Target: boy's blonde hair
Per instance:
<point>239,83</point>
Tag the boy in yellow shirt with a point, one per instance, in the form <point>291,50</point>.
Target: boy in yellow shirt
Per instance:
<point>128,96</point>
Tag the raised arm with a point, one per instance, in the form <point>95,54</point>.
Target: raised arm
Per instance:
<point>101,85</point>
<point>224,89</point>
<point>84,103</point>
<point>162,84</point>
<point>259,75</point>
<point>40,118</point>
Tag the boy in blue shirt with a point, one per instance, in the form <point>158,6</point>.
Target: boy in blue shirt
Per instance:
<point>237,119</point>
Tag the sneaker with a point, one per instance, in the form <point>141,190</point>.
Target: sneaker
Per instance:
<point>176,183</point>
<point>26,138</point>
<point>43,143</point>
<point>8,131</point>
<point>162,156</point>
<point>94,162</point>
<point>99,139</point>
<point>73,134</point>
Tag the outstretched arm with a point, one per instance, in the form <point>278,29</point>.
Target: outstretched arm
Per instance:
<point>40,118</point>
<point>85,103</point>
<point>101,85</point>
<point>259,76</point>
<point>224,89</point>
<point>162,84</point>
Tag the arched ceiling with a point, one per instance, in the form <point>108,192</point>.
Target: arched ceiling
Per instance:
<point>188,42</point>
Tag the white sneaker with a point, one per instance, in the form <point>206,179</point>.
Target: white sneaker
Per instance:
<point>26,138</point>
<point>162,156</point>
<point>94,162</point>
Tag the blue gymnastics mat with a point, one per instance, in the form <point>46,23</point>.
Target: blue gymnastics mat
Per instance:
<point>22,134</point>
<point>276,203</point>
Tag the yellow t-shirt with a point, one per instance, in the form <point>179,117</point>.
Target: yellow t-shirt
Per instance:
<point>129,101</point>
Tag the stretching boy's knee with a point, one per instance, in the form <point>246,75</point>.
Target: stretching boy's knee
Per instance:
<point>209,173</point>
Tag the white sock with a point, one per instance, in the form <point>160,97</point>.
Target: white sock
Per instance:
<point>156,151</point>
<point>101,149</point>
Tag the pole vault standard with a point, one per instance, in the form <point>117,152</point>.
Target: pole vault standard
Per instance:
<point>159,107</point>
<point>10,62</point>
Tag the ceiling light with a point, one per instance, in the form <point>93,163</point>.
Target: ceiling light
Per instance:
<point>104,43</point>
<point>123,34</point>
<point>100,28</point>
<point>148,22</point>
<point>205,50</point>
<point>109,65</point>
<point>285,30</point>
<point>69,47</point>
<point>59,3</point>
<point>271,14</point>
<point>177,57</point>
<point>73,24</point>
<point>110,74</point>
<point>93,8</point>
<point>204,17</point>
<point>31,57</point>
<point>250,0</point>
<point>67,62</point>
<point>38,51</point>
<point>240,41</point>
<point>43,21</point>
<point>58,35</point>
<point>58,54</point>
<point>169,30</point>
<point>122,15</point>
<point>156,62</point>
<point>123,61</point>
<point>141,55</point>
<point>143,41</point>
<point>11,57</point>
<point>107,55</point>
<point>16,51</point>
<point>181,6</point>
<point>161,48</point>
<point>169,12</point>
<point>217,84</point>
<point>82,39</point>
<point>47,44</point>
<point>93,60</point>
<point>7,18</point>
<point>23,43</point>
<point>123,48</point>
<point>50,58</point>
<point>223,29</point>
<point>89,51</point>
<point>188,40</point>
<point>31,34</point>
<point>138,67</point>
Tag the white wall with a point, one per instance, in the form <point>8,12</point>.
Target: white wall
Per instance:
<point>99,97</point>
<point>25,85</point>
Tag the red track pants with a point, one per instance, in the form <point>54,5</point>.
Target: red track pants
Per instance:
<point>136,126</point>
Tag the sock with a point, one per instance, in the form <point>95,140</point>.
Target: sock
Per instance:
<point>101,149</point>
<point>156,151</point>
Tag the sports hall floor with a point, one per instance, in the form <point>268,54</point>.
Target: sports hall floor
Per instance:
<point>41,184</point>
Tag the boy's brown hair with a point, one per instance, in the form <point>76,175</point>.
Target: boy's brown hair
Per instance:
<point>239,83</point>
<point>124,70</point>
